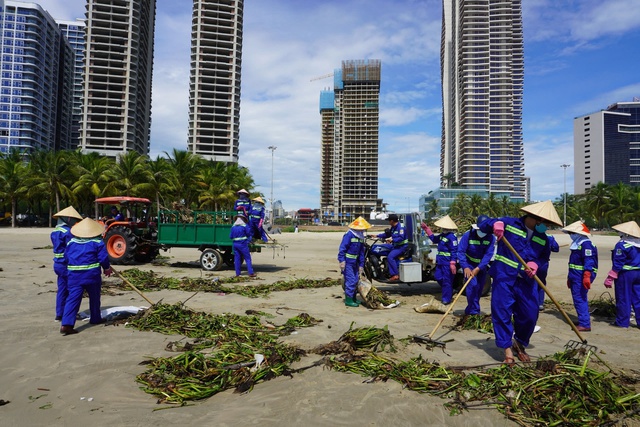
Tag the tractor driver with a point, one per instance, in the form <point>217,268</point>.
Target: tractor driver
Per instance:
<point>397,237</point>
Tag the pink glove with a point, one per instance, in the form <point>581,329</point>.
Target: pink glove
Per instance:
<point>611,276</point>
<point>532,269</point>
<point>260,223</point>
<point>426,229</point>
<point>108,272</point>
<point>452,267</point>
<point>498,230</point>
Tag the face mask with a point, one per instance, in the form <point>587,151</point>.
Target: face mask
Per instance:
<point>480,234</point>
<point>575,236</point>
<point>541,228</point>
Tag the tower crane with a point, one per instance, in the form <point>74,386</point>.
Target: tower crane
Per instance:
<point>324,76</point>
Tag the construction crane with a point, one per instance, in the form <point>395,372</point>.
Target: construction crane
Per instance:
<point>325,76</point>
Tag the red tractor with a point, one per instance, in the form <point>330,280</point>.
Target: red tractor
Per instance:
<point>133,237</point>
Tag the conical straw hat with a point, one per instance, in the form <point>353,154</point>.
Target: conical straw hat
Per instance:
<point>360,224</point>
<point>243,191</point>
<point>258,199</point>
<point>68,212</point>
<point>87,228</point>
<point>577,227</point>
<point>544,210</point>
<point>631,228</point>
<point>446,222</point>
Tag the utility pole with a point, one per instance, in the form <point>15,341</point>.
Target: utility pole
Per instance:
<point>564,167</point>
<point>272,148</point>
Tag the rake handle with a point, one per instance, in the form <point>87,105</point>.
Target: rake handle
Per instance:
<point>124,279</point>
<point>450,307</point>
<point>546,291</point>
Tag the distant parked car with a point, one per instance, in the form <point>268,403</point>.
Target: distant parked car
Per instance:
<point>334,223</point>
<point>29,220</point>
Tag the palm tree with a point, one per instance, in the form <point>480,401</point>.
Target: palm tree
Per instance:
<point>185,166</point>
<point>492,206</point>
<point>95,179</point>
<point>434,209</point>
<point>50,177</point>
<point>475,205</point>
<point>132,174</point>
<point>597,202</point>
<point>159,179</point>
<point>619,207</point>
<point>12,183</point>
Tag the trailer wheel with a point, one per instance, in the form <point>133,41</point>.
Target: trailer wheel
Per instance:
<point>146,253</point>
<point>211,260</point>
<point>121,245</point>
<point>227,258</point>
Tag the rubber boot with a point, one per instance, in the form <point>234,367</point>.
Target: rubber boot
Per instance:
<point>350,301</point>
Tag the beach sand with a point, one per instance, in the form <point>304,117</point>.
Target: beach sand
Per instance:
<point>89,378</point>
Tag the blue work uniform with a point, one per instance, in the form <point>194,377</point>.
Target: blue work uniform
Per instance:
<point>256,216</point>
<point>583,257</point>
<point>86,258</point>
<point>542,245</point>
<point>514,299</point>
<point>399,243</point>
<point>60,236</point>
<point>447,252</point>
<point>625,259</point>
<point>475,252</point>
<point>241,236</point>
<point>242,204</point>
<point>351,252</point>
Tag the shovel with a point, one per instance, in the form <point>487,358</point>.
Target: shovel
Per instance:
<point>131,285</point>
<point>570,344</point>
<point>429,338</point>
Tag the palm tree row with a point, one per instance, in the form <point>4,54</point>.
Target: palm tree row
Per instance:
<point>600,207</point>
<point>51,180</point>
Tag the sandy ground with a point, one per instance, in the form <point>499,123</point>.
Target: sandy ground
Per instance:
<point>88,378</point>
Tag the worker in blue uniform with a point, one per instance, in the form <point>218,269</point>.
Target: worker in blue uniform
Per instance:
<point>514,300</point>
<point>475,251</point>
<point>86,257</point>
<point>542,245</point>
<point>397,241</point>
<point>625,273</point>
<point>447,256</point>
<point>256,219</point>
<point>242,202</point>
<point>583,267</point>
<point>351,259</point>
<point>241,236</point>
<point>60,236</point>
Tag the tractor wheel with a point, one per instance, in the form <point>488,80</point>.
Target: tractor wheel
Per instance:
<point>146,253</point>
<point>227,257</point>
<point>211,260</point>
<point>121,245</point>
<point>487,286</point>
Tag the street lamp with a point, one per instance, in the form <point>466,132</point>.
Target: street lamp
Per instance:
<point>272,148</point>
<point>564,167</point>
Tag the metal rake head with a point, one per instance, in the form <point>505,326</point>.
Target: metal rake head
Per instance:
<point>580,347</point>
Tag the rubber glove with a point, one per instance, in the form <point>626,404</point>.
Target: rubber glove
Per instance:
<point>498,230</point>
<point>260,223</point>
<point>426,229</point>
<point>586,280</point>
<point>453,267</point>
<point>343,264</point>
<point>108,272</point>
<point>611,276</point>
<point>533,268</point>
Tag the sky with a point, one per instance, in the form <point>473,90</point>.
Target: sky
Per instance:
<point>580,57</point>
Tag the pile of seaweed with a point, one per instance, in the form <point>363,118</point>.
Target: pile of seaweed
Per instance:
<point>475,322</point>
<point>150,281</point>
<point>603,306</point>
<point>565,389</point>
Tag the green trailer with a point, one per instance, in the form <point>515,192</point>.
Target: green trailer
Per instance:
<point>206,230</point>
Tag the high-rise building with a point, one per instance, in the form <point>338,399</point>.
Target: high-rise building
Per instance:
<point>349,138</point>
<point>74,33</point>
<point>36,68</point>
<point>606,146</point>
<point>116,116</point>
<point>214,86</point>
<point>482,66</point>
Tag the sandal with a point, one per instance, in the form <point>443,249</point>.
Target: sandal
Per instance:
<point>519,352</point>
<point>509,361</point>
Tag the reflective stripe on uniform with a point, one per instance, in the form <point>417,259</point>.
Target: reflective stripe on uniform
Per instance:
<point>470,258</point>
<point>538,240</point>
<point>351,256</point>
<point>576,267</point>
<point>630,267</point>
<point>58,255</point>
<point>404,242</point>
<point>236,239</point>
<point>516,231</point>
<point>505,260</point>
<point>83,267</point>
<point>444,253</point>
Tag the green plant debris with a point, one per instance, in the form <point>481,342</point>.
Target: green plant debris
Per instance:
<point>150,281</point>
<point>475,322</point>
<point>603,306</point>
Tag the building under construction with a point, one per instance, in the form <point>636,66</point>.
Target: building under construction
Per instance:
<point>349,153</point>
